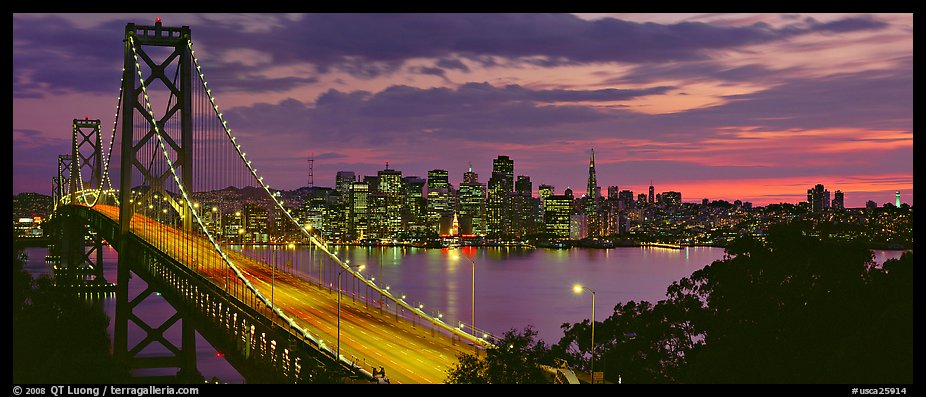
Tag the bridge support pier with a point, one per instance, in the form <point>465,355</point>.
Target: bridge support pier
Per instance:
<point>79,267</point>
<point>188,370</point>
<point>183,358</point>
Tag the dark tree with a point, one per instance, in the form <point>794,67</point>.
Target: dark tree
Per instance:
<point>638,343</point>
<point>515,359</point>
<point>469,370</point>
<point>787,309</point>
<point>57,336</point>
<point>799,310</point>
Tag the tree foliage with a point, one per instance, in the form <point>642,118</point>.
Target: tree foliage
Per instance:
<point>790,309</point>
<point>515,359</point>
<point>57,337</point>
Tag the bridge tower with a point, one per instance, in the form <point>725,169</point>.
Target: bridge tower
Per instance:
<point>150,42</point>
<point>60,185</point>
<point>86,138</point>
<point>81,268</point>
<point>64,177</point>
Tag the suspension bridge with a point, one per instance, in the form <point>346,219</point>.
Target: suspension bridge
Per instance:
<point>292,311</point>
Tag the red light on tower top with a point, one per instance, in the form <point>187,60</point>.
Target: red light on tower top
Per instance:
<point>157,20</point>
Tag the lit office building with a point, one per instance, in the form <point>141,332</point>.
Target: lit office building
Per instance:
<point>498,201</point>
<point>556,214</point>
<point>524,207</point>
<point>671,198</point>
<point>472,204</point>
<point>415,211</point>
<point>839,200</point>
<point>815,198</point>
<point>256,223</point>
<point>343,179</point>
<point>390,184</point>
<point>357,219</point>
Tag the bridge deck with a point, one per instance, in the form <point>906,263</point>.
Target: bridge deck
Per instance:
<point>408,352</point>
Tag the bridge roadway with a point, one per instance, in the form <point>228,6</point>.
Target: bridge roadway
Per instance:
<point>408,352</point>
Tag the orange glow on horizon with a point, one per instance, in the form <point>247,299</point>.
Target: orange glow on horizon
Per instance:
<point>764,191</point>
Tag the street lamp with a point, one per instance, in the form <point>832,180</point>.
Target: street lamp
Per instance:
<point>578,288</point>
<point>340,270</point>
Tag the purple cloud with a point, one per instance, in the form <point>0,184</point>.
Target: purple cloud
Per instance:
<point>474,111</point>
<point>450,63</point>
<point>378,44</point>
<point>699,71</point>
<point>553,38</point>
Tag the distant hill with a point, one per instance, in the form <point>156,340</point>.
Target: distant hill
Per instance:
<point>253,194</point>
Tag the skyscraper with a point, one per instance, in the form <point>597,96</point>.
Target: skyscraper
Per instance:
<point>613,192</point>
<point>625,198</point>
<point>652,191</point>
<point>544,191</point>
<point>357,221</point>
<point>438,198</point>
<point>337,213</point>
<point>256,223</point>
<point>839,201</point>
<point>377,221</point>
<point>672,199</point>
<point>590,205</point>
<point>497,206</point>
<point>591,189</point>
<point>504,166</point>
<point>437,179</point>
<point>390,184</point>
<point>525,206</point>
<point>815,198</point>
<point>498,202</point>
<point>472,204</point>
<point>343,179</point>
<point>316,206</point>
<point>415,209</point>
<point>469,176</point>
<point>373,182</point>
<point>233,227</point>
<point>523,186</point>
<point>556,215</point>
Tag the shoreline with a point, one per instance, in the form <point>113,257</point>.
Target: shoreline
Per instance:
<point>567,245</point>
<point>44,241</point>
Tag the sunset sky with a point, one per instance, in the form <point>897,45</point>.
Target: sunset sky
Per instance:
<point>756,107</point>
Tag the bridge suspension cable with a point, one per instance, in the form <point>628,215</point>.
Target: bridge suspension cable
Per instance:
<point>194,202</point>
<point>104,187</point>
<point>199,221</point>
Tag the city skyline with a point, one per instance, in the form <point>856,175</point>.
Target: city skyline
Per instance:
<point>740,112</point>
<point>649,189</point>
